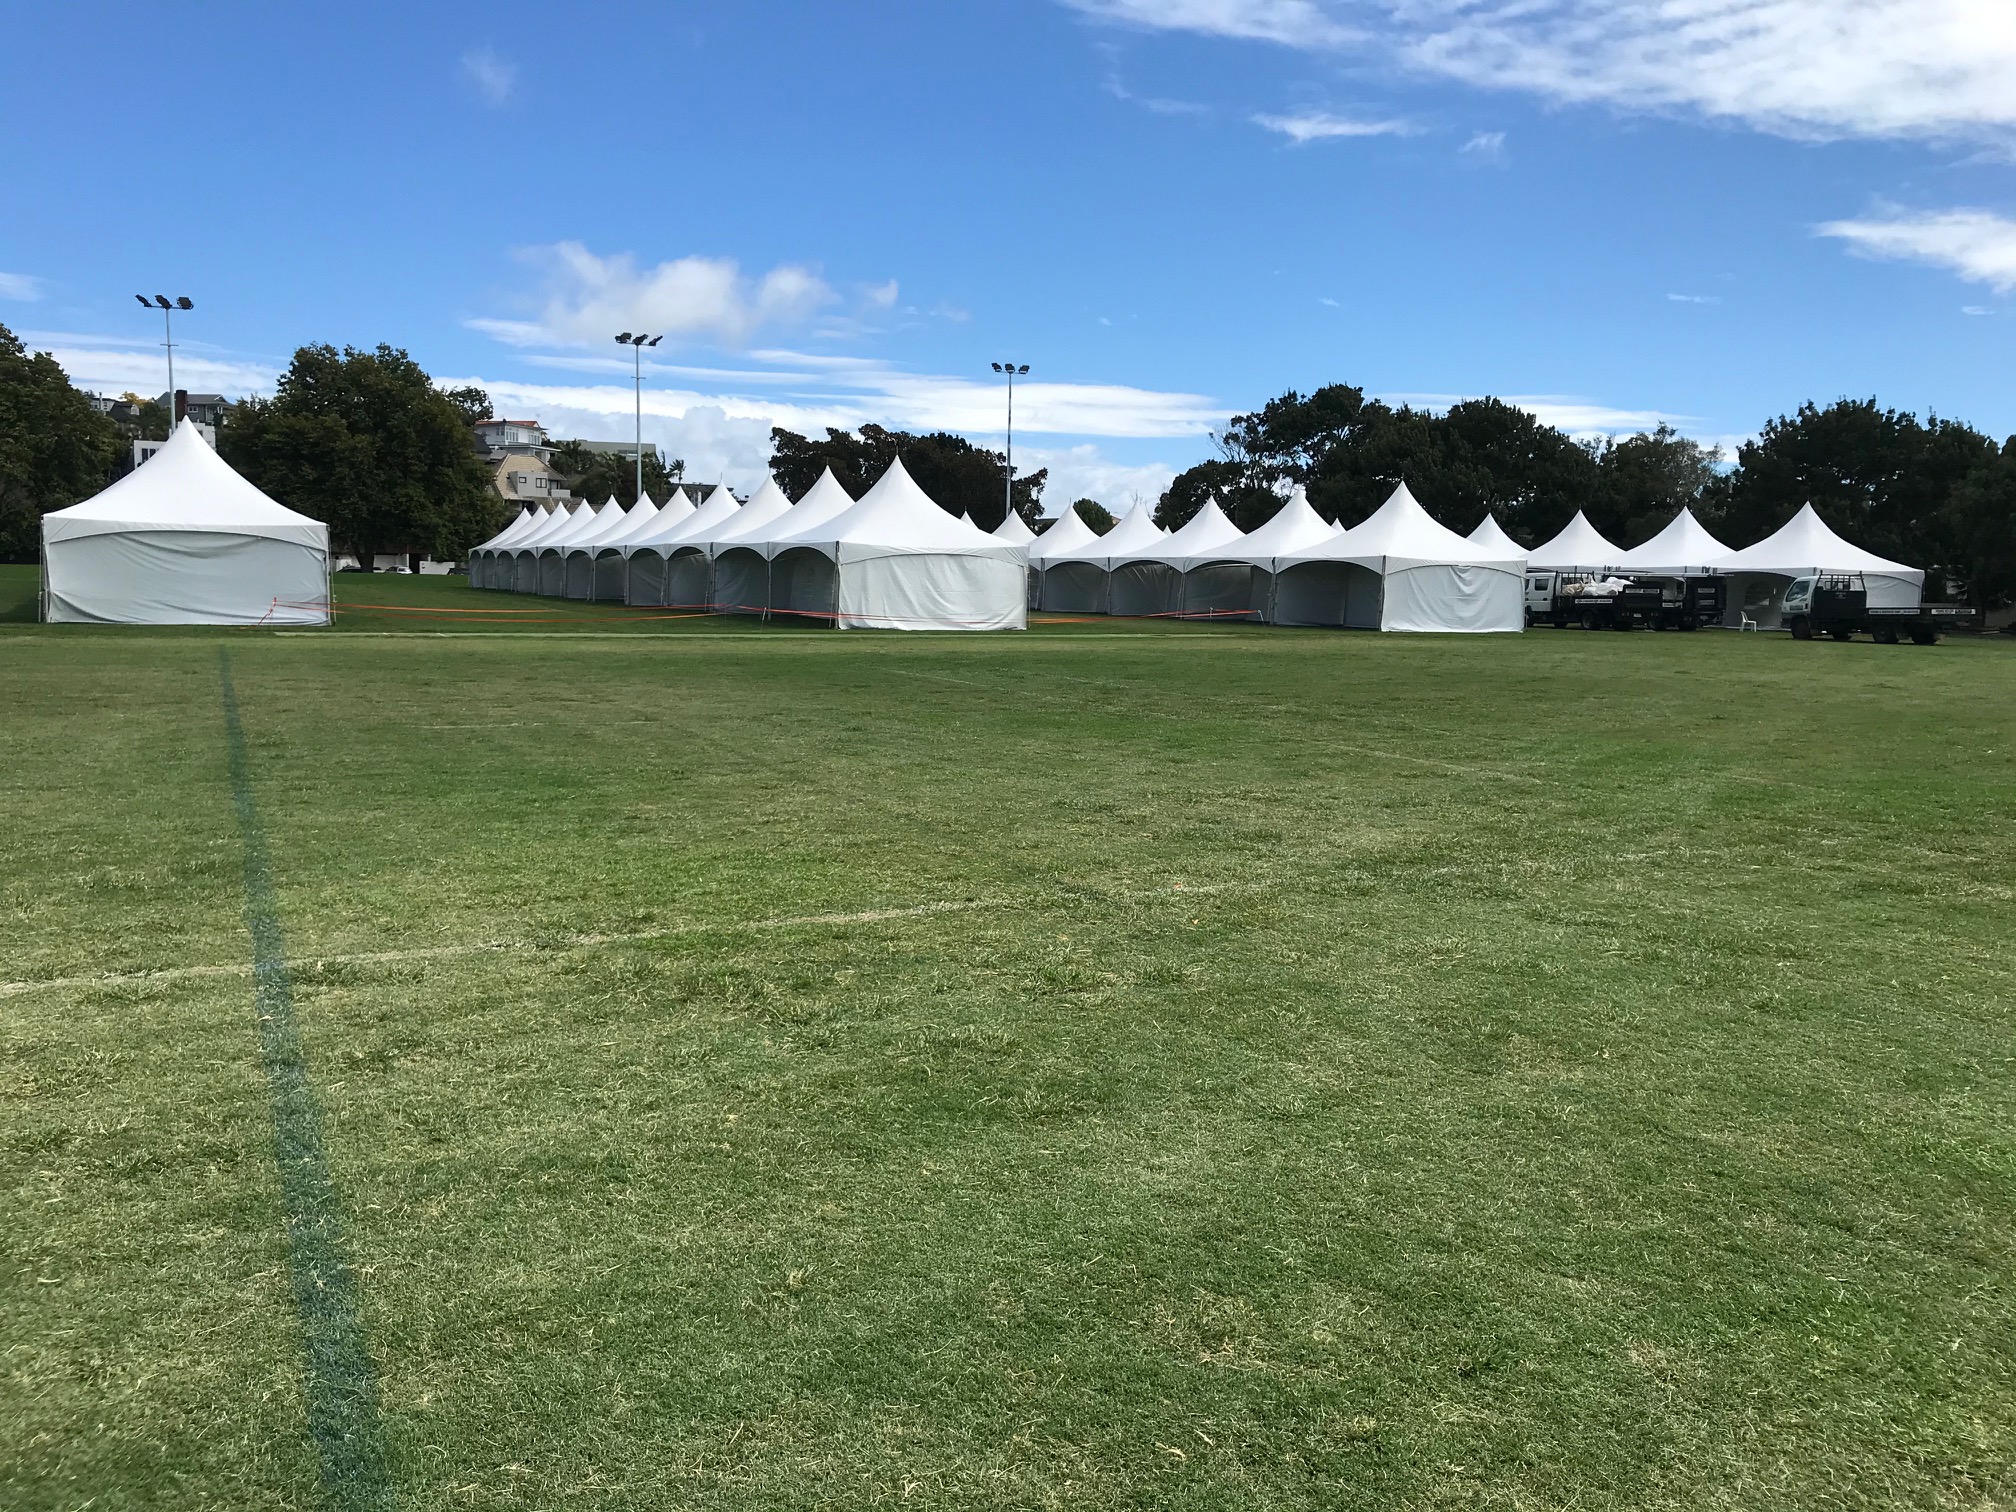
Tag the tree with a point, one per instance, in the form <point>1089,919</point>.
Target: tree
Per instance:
<point>1981,525</point>
<point>1882,478</point>
<point>1643,481</point>
<point>599,475</point>
<point>365,442</point>
<point>55,447</point>
<point>961,477</point>
<point>1096,516</point>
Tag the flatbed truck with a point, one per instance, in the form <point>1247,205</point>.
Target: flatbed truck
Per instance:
<point>1837,606</point>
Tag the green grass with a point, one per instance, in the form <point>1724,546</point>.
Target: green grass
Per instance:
<point>1343,1071</point>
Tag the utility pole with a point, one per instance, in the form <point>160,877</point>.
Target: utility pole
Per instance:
<point>1008,484</point>
<point>637,344</point>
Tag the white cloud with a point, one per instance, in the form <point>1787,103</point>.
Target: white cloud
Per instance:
<point>1979,245</point>
<point>1578,417</point>
<point>881,296</point>
<point>1319,126</point>
<point>1802,68</point>
<point>102,365</point>
<point>587,299</point>
<point>22,286</point>
<point>1154,104</point>
<point>495,78</point>
<point>1700,299</point>
<point>1975,310</point>
<point>1487,145</point>
<point>1083,472</point>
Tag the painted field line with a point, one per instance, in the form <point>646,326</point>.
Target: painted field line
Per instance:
<point>340,1381</point>
<point>493,947</point>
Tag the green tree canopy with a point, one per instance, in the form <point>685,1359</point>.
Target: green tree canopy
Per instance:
<point>1643,481</point>
<point>365,442</point>
<point>1981,525</point>
<point>961,477</point>
<point>599,475</point>
<point>55,447</point>
<point>1095,515</point>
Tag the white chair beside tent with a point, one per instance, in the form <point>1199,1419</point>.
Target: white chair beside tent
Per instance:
<point>1401,570</point>
<point>897,561</point>
<point>184,540</point>
<point>1075,579</point>
<point>1801,547</point>
<point>1580,547</point>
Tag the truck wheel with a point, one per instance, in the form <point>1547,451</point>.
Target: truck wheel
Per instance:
<point>1843,634</point>
<point>1589,619</point>
<point>1884,635</point>
<point>1802,629</point>
<point>1925,635</point>
<point>1559,620</point>
<point>1690,623</point>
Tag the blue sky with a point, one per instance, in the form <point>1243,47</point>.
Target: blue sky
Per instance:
<point>1615,211</point>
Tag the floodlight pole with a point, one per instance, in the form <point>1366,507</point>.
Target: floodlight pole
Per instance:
<point>168,341</point>
<point>637,343</point>
<point>1008,483</point>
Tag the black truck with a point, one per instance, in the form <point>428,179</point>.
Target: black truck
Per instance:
<point>1837,605</point>
<point>1623,603</point>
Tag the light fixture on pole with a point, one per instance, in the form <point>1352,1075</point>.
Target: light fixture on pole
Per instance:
<point>1012,372</point>
<point>168,308</point>
<point>637,344</point>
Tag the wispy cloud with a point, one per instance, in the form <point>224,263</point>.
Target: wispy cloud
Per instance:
<point>495,78</point>
<point>1801,68</point>
<point>1697,299</point>
<point>1576,416</point>
<point>586,299</point>
<point>106,365</point>
<point>1154,104</point>
<point>1320,126</point>
<point>1487,146</point>
<point>1979,245</point>
<point>22,286</point>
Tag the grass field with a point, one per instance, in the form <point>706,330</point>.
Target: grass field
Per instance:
<point>1102,1067</point>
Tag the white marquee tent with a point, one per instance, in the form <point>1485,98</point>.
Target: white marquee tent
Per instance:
<point>1066,533</point>
<point>184,540</point>
<point>1804,545</point>
<point>1580,547</point>
<point>1239,578</point>
<point>1401,570</point>
<point>896,561</point>
<point>520,561</point>
<point>610,576</point>
<point>1014,530</point>
<point>581,557</point>
<point>1149,580</point>
<point>483,559</point>
<point>681,539</point>
<point>1490,533</point>
<point>741,557</point>
<point>1683,549</point>
<point>551,556</point>
<point>1075,577</point>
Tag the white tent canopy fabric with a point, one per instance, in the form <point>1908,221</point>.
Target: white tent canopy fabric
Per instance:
<point>1076,578</point>
<point>1490,533</point>
<point>483,559</point>
<point>897,561</point>
<point>552,553</point>
<point>184,540</point>
<point>1683,549</point>
<point>1237,578</point>
<point>1150,580</point>
<point>741,556</point>
<point>1015,529</point>
<point>1580,547</point>
<point>1068,533</point>
<point>594,569</point>
<point>1804,545</point>
<point>1401,570</point>
<point>668,564</point>
<point>521,557</point>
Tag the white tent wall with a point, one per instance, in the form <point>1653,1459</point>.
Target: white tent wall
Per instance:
<point>741,582</point>
<point>920,592</point>
<point>184,540</point>
<point>183,577</point>
<point>1448,597</point>
<point>1804,544</point>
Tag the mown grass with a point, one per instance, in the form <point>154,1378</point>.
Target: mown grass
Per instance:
<point>1345,1071</point>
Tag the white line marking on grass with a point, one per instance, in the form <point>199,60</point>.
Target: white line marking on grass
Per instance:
<point>489,947</point>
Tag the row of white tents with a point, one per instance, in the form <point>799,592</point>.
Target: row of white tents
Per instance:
<point>895,559</point>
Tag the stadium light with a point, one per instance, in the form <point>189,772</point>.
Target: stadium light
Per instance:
<point>637,344</point>
<point>168,308</point>
<point>1013,372</point>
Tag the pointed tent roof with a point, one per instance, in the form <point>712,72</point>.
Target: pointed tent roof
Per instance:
<point>1015,530</point>
<point>1067,534</point>
<point>1204,535</point>
<point>184,486</point>
<point>1579,544</point>
<point>1490,533</point>
<point>509,533</point>
<point>605,531</point>
<point>558,521</point>
<point>586,522</point>
<point>1136,531</point>
<point>670,515</point>
<point>1682,547</point>
<point>767,504</point>
<point>897,518</point>
<point>1400,534</point>
<point>1295,527</point>
<point>822,501</point>
<point>1804,544</point>
<point>696,525</point>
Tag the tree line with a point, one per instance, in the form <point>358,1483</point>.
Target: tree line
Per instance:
<point>1934,493</point>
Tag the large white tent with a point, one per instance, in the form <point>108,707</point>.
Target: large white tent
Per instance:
<point>1490,533</point>
<point>1683,549</point>
<point>1401,570</point>
<point>1802,546</point>
<point>1149,580</point>
<point>482,559</point>
<point>1238,578</point>
<point>1075,577</point>
<point>520,561</point>
<point>1066,533</point>
<point>1014,530</point>
<point>551,557</point>
<point>184,540</point>
<point>678,543</point>
<point>896,561</point>
<point>1580,547</point>
<point>581,556</point>
<point>609,578</point>
<point>741,556</point>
